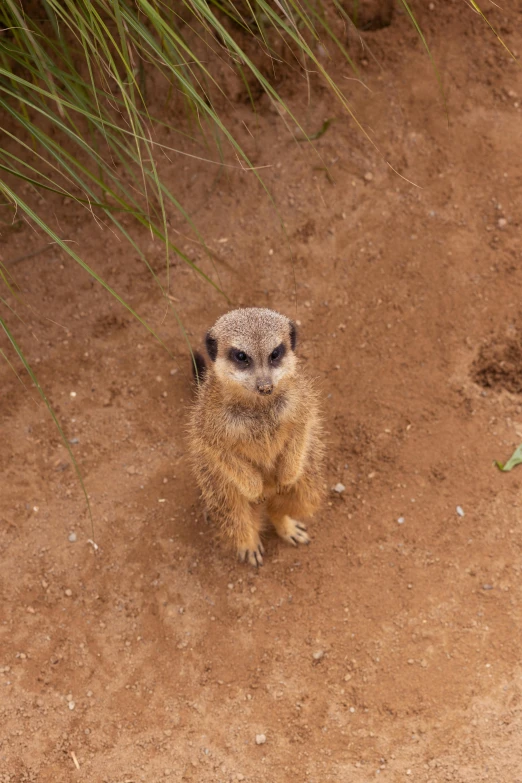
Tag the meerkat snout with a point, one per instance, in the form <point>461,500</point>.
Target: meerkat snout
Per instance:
<point>264,386</point>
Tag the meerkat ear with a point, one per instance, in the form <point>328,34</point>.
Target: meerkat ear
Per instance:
<point>212,346</point>
<point>293,335</point>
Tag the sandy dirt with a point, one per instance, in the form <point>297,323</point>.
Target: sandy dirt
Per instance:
<point>391,647</point>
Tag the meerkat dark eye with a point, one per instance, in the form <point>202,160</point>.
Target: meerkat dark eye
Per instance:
<point>277,354</point>
<point>240,357</point>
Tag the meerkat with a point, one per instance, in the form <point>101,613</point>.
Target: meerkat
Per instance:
<point>255,431</point>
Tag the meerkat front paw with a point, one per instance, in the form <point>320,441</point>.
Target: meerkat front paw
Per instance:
<point>292,531</point>
<point>252,554</point>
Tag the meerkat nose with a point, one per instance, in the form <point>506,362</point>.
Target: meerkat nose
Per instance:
<point>264,387</point>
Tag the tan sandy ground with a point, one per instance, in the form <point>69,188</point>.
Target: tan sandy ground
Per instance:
<point>161,658</point>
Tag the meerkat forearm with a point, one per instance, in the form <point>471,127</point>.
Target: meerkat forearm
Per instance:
<point>237,472</point>
<point>292,461</point>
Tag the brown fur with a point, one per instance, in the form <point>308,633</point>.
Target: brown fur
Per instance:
<point>255,433</point>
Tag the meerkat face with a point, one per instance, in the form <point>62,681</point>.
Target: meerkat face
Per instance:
<point>253,351</point>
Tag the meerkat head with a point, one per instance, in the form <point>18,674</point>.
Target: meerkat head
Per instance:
<point>252,351</point>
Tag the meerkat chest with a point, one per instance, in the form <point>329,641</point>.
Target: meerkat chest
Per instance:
<point>259,435</point>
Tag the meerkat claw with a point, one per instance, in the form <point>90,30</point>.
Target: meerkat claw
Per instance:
<point>252,556</point>
<point>293,532</point>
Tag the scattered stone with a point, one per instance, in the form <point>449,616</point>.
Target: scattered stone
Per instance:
<point>68,593</point>
<point>173,372</point>
<point>131,470</point>
<point>487,587</point>
<point>317,656</point>
<point>74,441</point>
<point>401,521</point>
<point>260,739</point>
<point>368,176</point>
<point>460,511</point>
<point>347,677</point>
<point>71,705</point>
<point>30,610</point>
<point>502,222</point>
<point>339,488</point>
<point>72,537</point>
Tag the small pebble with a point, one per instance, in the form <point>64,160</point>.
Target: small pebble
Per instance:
<point>401,521</point>
<point>72,394</point>
<point>502,222</point>
<point>339,488</point>
<point>318,655</point>
<point>68,592</point>
<point>368,176</point>
<point>72,537</point>
<point>487,587</point>
<point>260,739</point>
<point>460,511</point>
<point>74,441</point>
<point>71,705</point>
